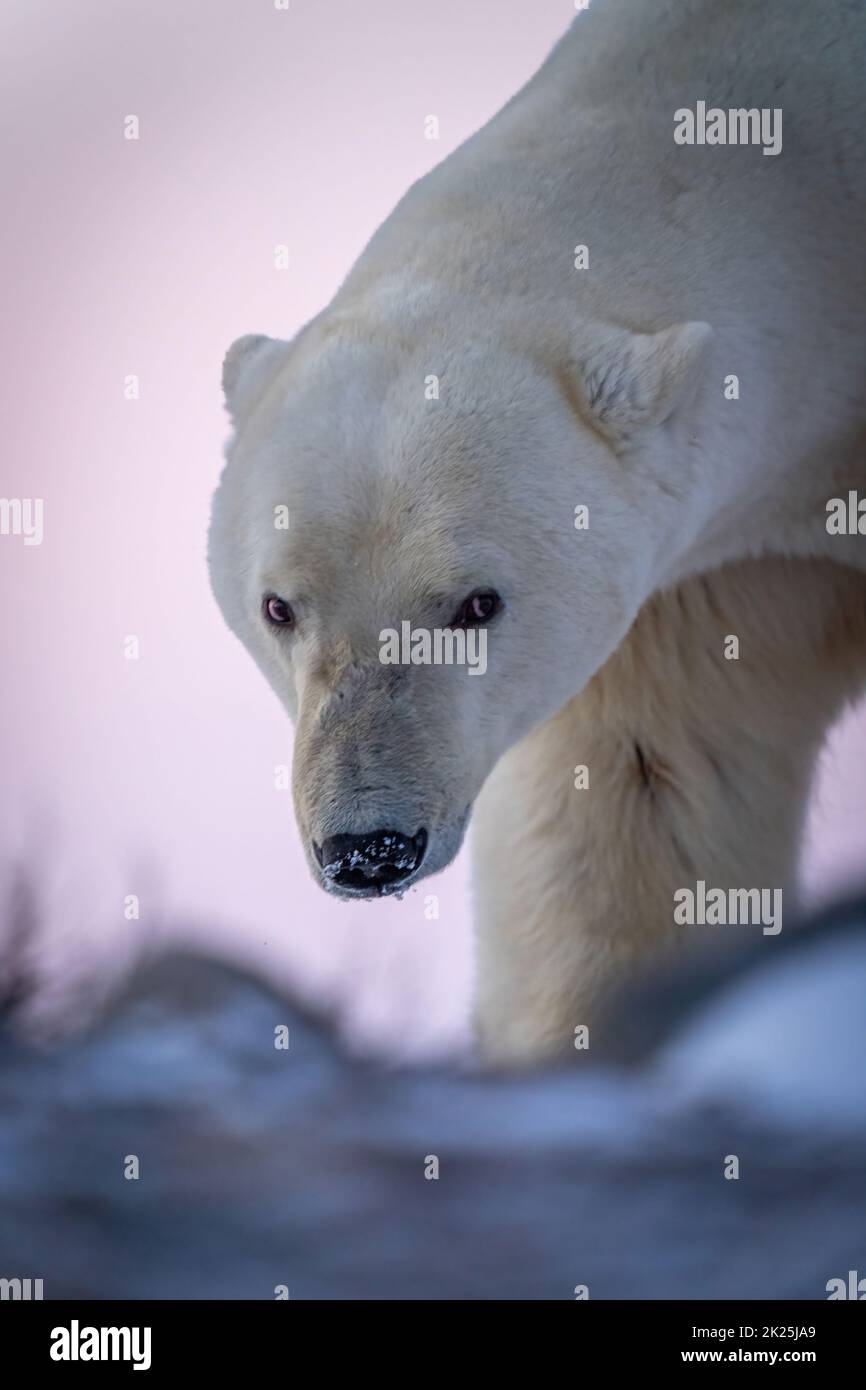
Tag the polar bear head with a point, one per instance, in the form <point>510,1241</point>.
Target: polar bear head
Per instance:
<point>382,484</point>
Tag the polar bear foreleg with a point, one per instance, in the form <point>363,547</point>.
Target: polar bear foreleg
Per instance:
<point>689,757</point>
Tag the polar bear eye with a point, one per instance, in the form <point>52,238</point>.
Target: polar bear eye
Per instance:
<point>478,608</point>
<point>277,611</point>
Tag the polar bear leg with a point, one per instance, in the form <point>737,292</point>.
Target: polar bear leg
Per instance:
<point>699,766</point>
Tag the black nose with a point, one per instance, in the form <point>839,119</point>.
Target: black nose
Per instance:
<point>374,862</point>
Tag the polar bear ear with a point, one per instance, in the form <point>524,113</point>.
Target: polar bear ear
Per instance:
<point>630,382</point>
<point>245,370</point>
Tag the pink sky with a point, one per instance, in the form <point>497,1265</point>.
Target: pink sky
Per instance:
<point>258,128</point>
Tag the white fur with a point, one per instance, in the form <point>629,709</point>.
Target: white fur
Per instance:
<point>562,387</point>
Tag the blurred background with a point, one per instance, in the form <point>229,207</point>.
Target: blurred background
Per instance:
<point>260,128</point>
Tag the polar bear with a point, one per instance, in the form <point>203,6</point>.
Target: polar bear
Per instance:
<point>597,392</point>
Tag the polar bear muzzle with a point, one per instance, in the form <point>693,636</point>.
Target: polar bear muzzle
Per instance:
<point>373,864</point>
